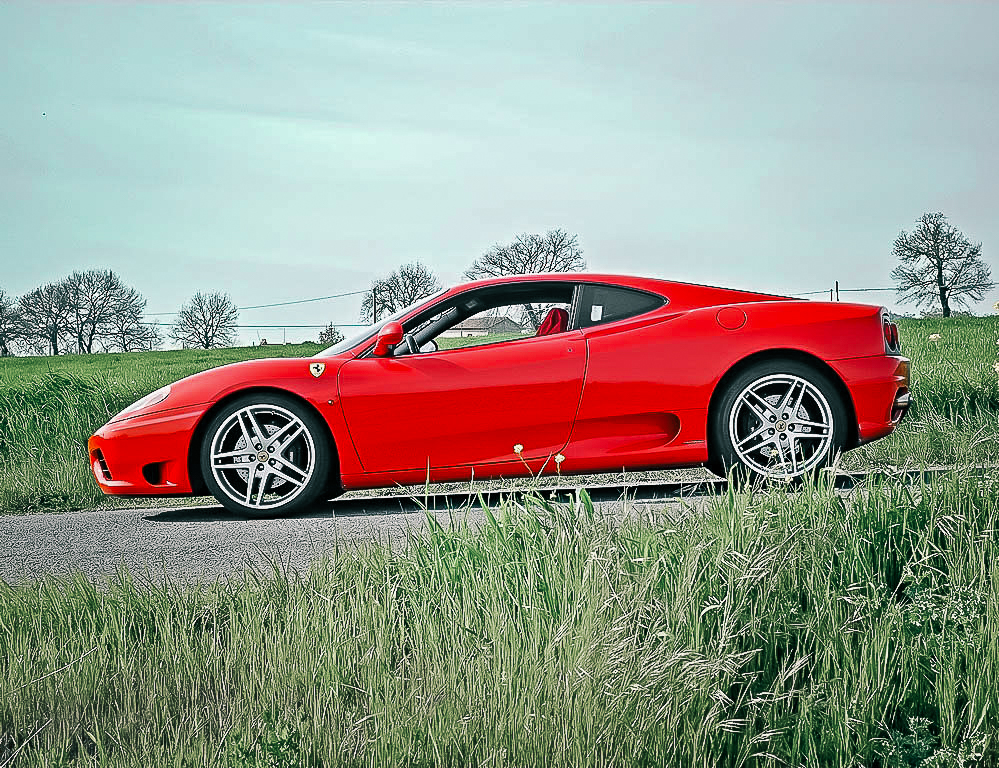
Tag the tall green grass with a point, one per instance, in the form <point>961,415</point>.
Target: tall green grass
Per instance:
<point>776,629</point>
<point>50,406</point>
<point>955,388</point>
<point>954,375</point>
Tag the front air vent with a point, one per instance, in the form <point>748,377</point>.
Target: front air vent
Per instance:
<point>105,470</point>
<point>153,473</point>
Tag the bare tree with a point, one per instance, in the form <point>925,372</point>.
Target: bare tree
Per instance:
<point>555,251</point>
<point>207,321</point>
<point>405,286</point>
<point>939,266</point>
<point>330,335</point>
<point>96,298</point>
<point>45,316</point>
<point>104,311</point>
<point>125,331</point>
<point>9,324</point>
<point>89,295</point>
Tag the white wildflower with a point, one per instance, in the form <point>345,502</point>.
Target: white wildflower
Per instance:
<point>518,449</point>
<point>559,458</point>
<point>934,337</point>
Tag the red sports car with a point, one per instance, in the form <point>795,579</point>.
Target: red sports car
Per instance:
<point>527,374</point>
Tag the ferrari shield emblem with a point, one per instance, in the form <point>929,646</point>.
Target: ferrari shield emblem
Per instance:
<point>316,369</point>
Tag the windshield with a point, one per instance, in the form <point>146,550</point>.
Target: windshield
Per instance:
<point>369,333</point>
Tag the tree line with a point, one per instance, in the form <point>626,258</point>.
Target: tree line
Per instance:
<point>88,311</point>
<point>939,269</point>
<point>94,310</point>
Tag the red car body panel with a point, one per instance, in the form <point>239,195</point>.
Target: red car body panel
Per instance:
<point>160,439</point>
<point>631,394</point>
<point>461,406</point>
<point>875,383</point>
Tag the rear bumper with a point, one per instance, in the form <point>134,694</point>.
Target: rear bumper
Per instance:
<point>879,387</point>
<point>145,455</point>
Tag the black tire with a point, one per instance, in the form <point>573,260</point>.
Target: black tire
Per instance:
<point>792,449</point>
<point>289,475</point>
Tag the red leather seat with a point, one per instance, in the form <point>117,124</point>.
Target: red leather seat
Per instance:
<point>556,321</point>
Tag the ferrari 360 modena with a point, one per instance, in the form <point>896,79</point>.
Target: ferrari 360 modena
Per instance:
<point>528,374</point>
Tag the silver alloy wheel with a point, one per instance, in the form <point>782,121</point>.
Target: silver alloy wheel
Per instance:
<point>781,426</point>
<point>262,456</point>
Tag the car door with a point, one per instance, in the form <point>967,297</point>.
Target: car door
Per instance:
<point>464,406</point>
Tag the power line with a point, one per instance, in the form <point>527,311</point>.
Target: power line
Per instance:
<point>306,301</point>
<point>367,290</point>
<point>863,290</point>
<point>845,290</point>
<point>284,303</point>
<point>335,325</point>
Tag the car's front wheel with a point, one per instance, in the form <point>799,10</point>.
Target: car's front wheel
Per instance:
<point>264,455</point>
<point>778,420</point>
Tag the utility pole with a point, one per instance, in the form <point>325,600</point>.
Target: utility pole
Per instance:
<point>830,294</point>
<point>837,290</point>
<point>374,306</point>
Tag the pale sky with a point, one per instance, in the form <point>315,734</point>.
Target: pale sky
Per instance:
<point>282,152</point>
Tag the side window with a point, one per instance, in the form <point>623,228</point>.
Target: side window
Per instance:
<point>491,315</point>
<point>606,303</point>
<point>504,323</point>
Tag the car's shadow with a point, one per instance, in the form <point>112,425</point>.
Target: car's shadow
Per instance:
<point>391,504</point>
<point>441,502</point>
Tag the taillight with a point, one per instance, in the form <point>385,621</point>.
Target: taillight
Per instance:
<point>892,342</point>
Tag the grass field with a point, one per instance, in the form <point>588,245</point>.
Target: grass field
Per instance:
<point>784,629</point>
<point>50,406</point>
<point>776,629</point>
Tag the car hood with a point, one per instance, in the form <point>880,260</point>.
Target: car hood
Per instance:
<point>311,377</point>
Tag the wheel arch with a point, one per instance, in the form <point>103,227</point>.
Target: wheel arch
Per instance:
<point>198,484</point>
<point>817,363</point>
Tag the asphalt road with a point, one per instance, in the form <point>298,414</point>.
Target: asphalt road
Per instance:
<point>205,543</point>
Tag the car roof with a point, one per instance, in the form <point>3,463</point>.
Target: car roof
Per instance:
<point>671,289</point>
<point>573,277</point>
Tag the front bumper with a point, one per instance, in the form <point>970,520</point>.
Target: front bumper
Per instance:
<point>879,387</point>
<point>146,455</point>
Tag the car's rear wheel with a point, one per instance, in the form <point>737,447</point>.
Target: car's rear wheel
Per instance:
<point>265,455</point>
<point>778,420</point>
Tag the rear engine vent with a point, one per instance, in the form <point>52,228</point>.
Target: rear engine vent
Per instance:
<point>103,464</point>
<point>901,405</point>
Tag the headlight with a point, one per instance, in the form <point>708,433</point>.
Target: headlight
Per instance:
<point>153,398</point>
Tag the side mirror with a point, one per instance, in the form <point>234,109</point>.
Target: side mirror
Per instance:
<point>389,335</point>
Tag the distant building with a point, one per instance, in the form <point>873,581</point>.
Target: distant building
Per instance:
<point>483,326</point>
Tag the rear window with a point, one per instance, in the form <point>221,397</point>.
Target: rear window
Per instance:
<point>605,304</point>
